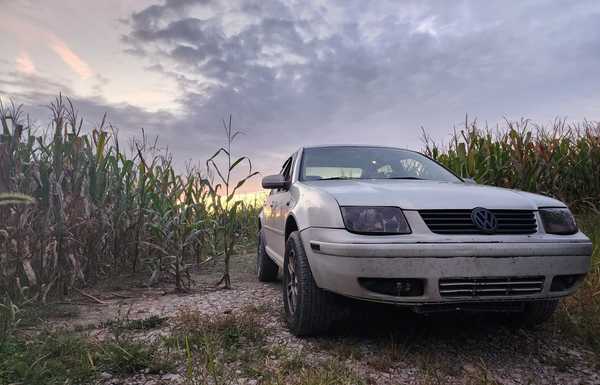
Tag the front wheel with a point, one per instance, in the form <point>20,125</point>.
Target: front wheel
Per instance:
<point>309,310</point>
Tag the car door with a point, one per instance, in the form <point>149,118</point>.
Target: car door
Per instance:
<point>268,222</point>
<point>275,212</point>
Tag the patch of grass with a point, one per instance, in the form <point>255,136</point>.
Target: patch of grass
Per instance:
<point>292,363</point>
<point>148,323</point>
<point>390,351</point>
<point>342,348</point>
<point>128,357</point>
<point>59,358</point>
<point>327,373</point>
<point>256,310</point>
<point>433,368</point>
<point>217,345</point>
<point>229,332</point>
<point>220,348</point>
<point>47,360</point>
<point>420,349</point>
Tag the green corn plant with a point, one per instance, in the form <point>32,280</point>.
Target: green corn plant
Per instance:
<point>142,191</point>
<point>224,208</point>
<point>57,193</point>
<point>173,223</point>
<point>561,160</point>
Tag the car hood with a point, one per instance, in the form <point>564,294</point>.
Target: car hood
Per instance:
<point>427,194</point>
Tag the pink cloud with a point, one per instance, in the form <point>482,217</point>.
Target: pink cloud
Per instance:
<point>78,65</point>
<point>24,64</point>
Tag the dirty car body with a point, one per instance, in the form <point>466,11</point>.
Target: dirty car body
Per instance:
<point>391,225</point>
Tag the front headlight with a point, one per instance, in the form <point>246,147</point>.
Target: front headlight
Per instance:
<point>558,221</point>
<point>375,220</point>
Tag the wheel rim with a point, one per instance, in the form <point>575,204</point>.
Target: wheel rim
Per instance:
<point>292,282</point>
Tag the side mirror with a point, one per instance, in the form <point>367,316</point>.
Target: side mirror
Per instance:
<point>274,182</point>
<point>469,180</point>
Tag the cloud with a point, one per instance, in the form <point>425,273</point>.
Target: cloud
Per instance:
<point>36,92</point>
<point>24,64</point>
<point>427,25</point>
<point>384,65</point>
<point>78,65</point>
<point>355,71</point>
<point>30,89</point>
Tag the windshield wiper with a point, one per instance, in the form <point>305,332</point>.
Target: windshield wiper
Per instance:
<point>337,178</point>
<point>393,177</point>
<point>406,177</point>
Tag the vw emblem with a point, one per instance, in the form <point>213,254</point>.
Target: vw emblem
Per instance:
<point>484,219</point>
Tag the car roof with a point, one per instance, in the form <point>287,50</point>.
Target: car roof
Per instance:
<point>355,145</point>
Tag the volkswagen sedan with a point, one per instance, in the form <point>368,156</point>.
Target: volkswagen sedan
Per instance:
<point>394,226</point>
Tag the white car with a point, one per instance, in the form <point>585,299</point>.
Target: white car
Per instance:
<point>392,225</point>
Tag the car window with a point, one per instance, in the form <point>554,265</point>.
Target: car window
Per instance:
<point>352,162</point>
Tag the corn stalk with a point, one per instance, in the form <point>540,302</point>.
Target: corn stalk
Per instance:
<point>225,209</point>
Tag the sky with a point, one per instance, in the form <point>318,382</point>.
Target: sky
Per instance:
<point>300,72</point>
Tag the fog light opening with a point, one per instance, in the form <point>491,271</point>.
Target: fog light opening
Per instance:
<point>565,282</point>
<point>398,287</point>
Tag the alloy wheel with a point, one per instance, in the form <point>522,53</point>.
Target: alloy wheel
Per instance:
<point>292,282</point>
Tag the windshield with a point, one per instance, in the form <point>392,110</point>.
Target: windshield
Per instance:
<point>327,163</point>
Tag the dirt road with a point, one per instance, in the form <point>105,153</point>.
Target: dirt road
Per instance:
<point>379,344</point>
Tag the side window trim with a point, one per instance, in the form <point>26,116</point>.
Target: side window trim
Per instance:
<point>292,165</point>
<point>295,171</point>
<point>286,171</point>
<point>282,171</point>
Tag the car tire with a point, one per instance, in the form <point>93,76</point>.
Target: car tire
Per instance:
<point>312,310</point>
<point>537,312</point>
<point>266,269</point>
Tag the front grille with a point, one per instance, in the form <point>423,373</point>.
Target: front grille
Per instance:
<point>460,222</point>
<point>490,286</point>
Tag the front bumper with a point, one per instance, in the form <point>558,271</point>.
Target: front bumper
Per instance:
<point>338,259</point>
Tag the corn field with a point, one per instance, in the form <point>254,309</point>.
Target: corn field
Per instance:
<point>562,161</point>
<point>82,207</point>
<point>100,210</point>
